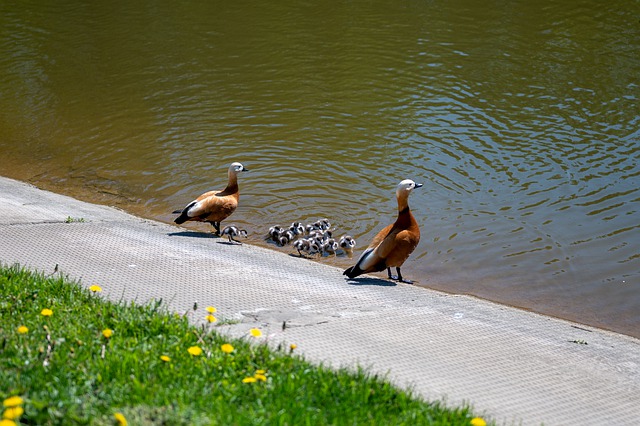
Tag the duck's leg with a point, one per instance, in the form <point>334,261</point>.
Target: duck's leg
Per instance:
<point>392,277</point>
<point>402,280</point>
<point>216,226</point>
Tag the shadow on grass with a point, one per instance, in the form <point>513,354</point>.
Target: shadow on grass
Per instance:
<point>371,281</point>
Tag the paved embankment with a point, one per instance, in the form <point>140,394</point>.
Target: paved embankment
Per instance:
<point>514,366</point>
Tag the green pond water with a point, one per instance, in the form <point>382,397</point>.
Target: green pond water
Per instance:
<point>520,118</point>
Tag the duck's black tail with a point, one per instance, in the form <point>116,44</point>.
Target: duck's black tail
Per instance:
<point>183,214</point>
<point>353,272</point>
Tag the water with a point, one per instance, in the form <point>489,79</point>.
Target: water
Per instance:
<point>521,119</point>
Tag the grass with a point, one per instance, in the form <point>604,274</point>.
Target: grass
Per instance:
<point>67,371</point>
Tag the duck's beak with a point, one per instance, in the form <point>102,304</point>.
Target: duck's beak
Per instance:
<point>418,185</point>
<point>244,169</point>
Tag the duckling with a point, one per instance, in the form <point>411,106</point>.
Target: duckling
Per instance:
<point>319,233</point>
<point>330,246</point>
<point>311,227</point>
<point>314,246</point>
<point>274,231</point>
<point>347,243</point>
<point>297,228</point>
<point>302,245</point>
<point>214,206</point>
<point>393,244</point>
<point>234,231</point>
<point>324,224</point>
<point>285,237</point>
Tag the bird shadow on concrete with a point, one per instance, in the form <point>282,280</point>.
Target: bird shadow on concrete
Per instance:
<point>229,243</point>
<point>371,281</point>
<point>193,234</point>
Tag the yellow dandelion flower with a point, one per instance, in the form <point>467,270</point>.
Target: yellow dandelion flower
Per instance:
<point>260,372</point>
<point>13,413</point>
<point>165,358</point>
<point>210,318</point>
<point>211,309</point>
<point>293,346</point>
<point>107,332</point>
<point>195,351</point>
<point>7,422</point>
<point>120,419</point>
<point>478,421</point>
<point>95,288</point>
<point>260,377</point>
<point>249,380</point>
<point>23,329</point>
<point>226,348</point>
<point>255,332</point>
<point>13,401</point>
<point>46,312</point>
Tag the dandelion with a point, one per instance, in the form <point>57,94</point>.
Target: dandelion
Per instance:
<point>226,348</point>
<point>95,288</point>
<point>249,380</point>
<point>107,332</point>
<point>195,351</point>
<point>210,318</point>
<point>260,377</point>
<point>255,332</point>
<point>46,312</point>
<point>292,347</point>
<point>120,419</point>
<point>23,329</point>
<point>478,421</point>
<point>13,401</point>
<point>260,372</point>
<point>210,309</point>
<point>165,358</point>
<point>7,422</point>
<point>12,413</point>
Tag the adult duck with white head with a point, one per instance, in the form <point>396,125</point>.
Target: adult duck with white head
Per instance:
<point>392,245</point>
<point>214,206</point>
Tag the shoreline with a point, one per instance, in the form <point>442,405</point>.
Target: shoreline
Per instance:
<point>125,202</point>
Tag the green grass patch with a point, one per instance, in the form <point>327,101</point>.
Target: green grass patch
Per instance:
<point>67,371</point>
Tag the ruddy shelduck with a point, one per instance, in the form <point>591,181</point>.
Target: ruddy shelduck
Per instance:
<point>214,206</point>
<point>392,245</point>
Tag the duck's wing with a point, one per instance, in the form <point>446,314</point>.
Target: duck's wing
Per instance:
<point>214,208</point>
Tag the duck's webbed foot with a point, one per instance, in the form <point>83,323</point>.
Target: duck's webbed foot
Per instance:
<point>398,277</point>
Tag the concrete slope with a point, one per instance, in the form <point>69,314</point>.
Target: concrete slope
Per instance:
<point>514,366</point>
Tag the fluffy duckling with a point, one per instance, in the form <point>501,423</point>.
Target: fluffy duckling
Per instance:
<point>274,231</point>
<point>297,228</point>
<point>234,231</point>
<point>285,237</point>
<point>330,246</point>
<point>320,234</point>
<point>347,243</point>
<point>314,246</point>
<point>302,245</point>
<point>214,206</point>
<point>393,244</point>
<point>324,224</point>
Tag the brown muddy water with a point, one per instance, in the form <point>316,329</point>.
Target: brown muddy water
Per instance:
<point>520,118</point>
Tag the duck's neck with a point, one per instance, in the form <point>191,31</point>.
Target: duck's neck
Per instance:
<point>403,204</point>
<point>232,185</point>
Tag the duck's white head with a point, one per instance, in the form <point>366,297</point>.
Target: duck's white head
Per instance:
<point>406,186</point>
<point>237,168</point>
